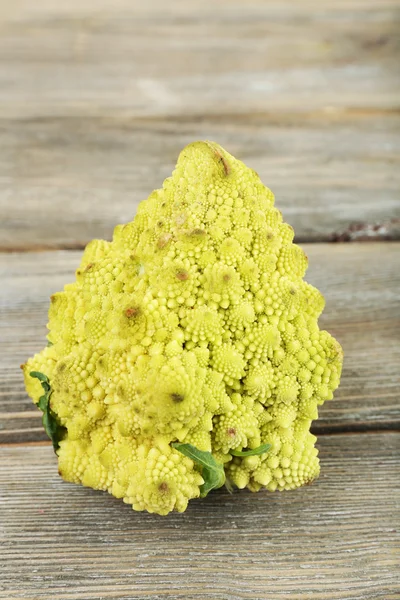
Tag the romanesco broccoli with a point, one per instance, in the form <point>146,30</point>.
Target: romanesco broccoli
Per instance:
<point>187,353</point>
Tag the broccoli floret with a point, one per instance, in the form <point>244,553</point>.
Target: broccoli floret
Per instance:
<point>188,349</point>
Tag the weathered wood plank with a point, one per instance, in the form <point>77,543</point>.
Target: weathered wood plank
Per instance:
<point>337,539</point>
<point>360,283</point>
<point>156,59</point>
<point>98,98</point>
<point>65,181</point>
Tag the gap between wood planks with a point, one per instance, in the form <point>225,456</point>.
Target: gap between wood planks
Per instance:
<point>325,432</point>
<point>387,231</point>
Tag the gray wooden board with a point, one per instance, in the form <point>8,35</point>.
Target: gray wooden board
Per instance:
<point>97,98</point>
<point>158,58</point>
<point>361,286</point>
<point>334,540</point>
<point>65,181</point>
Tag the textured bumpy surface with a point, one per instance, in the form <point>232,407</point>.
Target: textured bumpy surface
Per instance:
<point>193,325</point>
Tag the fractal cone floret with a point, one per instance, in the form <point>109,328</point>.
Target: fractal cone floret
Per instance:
<point>187,353</point>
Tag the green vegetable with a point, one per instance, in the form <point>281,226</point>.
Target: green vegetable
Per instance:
<point>187,352</point>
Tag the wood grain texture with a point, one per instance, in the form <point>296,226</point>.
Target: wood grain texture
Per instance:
<point>360,284</point>
<point>155,58</point>
<point>98,98</point>
<point>65,181</point>
<point>334,540</point>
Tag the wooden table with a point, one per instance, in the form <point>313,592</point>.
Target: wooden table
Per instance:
<point>97,97</point>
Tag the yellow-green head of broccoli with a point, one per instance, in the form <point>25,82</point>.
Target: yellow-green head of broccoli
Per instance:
<point>187,353</point>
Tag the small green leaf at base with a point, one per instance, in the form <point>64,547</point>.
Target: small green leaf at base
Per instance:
<point>53,429</point>
<point>252,452</point>
<point>42,378</point>
<point>212,471</point>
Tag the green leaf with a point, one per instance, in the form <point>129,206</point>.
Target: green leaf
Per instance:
<point>251,452</point>
<point>54,430</point>
<point>39,376</point>
<point>212,471</point>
